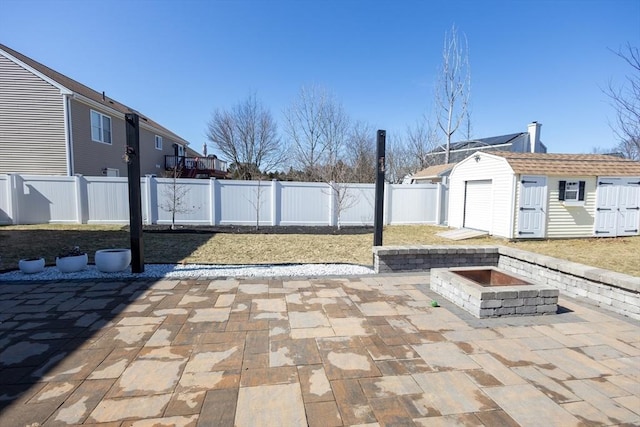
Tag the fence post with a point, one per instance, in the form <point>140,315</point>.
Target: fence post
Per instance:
<point>12,198</point>
<point>77,181</point>
<point>332,204</point>
<point>388,217</point>
<point>275,202</point>
<point>438,203</point>
<point>151,190</point>
<point>212,201</point>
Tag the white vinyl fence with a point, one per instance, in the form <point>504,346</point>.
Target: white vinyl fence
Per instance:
<point>36,199</point>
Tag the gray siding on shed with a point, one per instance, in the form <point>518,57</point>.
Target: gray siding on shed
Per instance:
<point>32,130</point>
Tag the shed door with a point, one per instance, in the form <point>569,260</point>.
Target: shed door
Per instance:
<point>531,209</point>
<point>477,205</point>
<point>618,207</point>
<point>629,207</point>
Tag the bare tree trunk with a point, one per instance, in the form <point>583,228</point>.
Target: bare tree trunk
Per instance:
<point>453,87</point>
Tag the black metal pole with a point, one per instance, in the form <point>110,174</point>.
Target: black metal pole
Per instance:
<point>379,212</point>
<point>132,156</point>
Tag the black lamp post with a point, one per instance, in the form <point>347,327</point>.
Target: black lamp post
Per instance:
<point>132,158</point>
<point>379,202</point>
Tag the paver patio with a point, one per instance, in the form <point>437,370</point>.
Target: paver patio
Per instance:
<point>289,352</point>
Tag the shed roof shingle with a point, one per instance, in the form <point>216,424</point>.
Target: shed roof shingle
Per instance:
<point>569,164</point>
<point>433,171</point>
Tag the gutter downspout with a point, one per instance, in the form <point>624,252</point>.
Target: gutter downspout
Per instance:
<point>68,135</point>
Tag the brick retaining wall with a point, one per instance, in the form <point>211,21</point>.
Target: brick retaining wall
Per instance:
<point>607,289</point>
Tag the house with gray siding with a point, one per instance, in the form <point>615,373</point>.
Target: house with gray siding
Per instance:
<point>51,124</point>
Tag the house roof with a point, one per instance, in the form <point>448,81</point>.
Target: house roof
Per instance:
<point>569,164</point>
<point>433,171</point>
<point>481,142</point>
<point>85,91</point>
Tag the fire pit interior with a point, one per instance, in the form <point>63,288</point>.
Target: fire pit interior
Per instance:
<point>490,292</point>
<point>490,277</point>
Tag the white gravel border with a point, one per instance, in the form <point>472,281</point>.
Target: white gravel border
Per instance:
<point>172,271</point>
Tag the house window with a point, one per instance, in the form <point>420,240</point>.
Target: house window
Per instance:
<point>100,127</point>
<point>571,191</point>
<point>158,142</point>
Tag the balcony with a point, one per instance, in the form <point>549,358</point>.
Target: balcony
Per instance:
<point>196,167</point>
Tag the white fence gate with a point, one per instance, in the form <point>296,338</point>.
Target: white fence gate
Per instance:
<point>36,199</point>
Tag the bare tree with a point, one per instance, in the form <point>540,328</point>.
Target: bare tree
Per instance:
<point>362,152</point>
<point>422,143</point>
<point>453,87</point>
<point>626,101</point>
<point>247,135</point>
<point>317,126</point>
<point>257,202</point>
<point>400,160</point>
<point>343,197</point>
<point>175,196</point>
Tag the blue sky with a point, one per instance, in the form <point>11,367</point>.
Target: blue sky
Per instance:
<point>177,61</point>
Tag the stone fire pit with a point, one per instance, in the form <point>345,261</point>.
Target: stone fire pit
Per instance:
<point>491,292</point>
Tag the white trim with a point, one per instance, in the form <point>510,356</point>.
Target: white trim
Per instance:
<point>63,90</point>
<point>513,200</point>
<point>155,140</point>
<point>68,134</point>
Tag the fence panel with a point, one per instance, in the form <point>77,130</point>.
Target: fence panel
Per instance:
<point>46,199</point>
<point>107,200</point>
<point>243,202</point>
<point>413,204</point>
<point>189,198</point>
<point>358,205</point>
<point>304,203</point>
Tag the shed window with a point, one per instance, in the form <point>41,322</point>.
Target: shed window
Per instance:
<point>100,127</point>
<point>571,191</point>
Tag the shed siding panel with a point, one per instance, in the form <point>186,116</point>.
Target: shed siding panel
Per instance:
<point>32,130</point>
<point>571,221</point>
<point>488,168</point>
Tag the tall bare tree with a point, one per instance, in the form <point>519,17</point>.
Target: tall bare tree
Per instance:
<point>247,136</point>
<point>361,152</point>
<point>400,161</point>
<point>453,87</point>
<point>422,142</point>
<point>626,101</point>
<point>317,125</point>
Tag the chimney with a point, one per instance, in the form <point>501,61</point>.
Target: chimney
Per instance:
<point>534,136</point>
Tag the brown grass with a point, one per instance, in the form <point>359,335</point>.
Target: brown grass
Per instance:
<point>16,242</point>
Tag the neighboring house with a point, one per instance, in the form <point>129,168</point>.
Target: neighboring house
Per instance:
<point>51,124</point>
<point>433,174</point>
<point>522,142</point>
<point>540,195</point>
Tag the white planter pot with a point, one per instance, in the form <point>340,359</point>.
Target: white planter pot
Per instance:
<point>112,260</point>
<point>70,264</point>
<point>30,266</point>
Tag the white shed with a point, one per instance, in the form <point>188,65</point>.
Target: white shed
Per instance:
<point>541,195</point>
